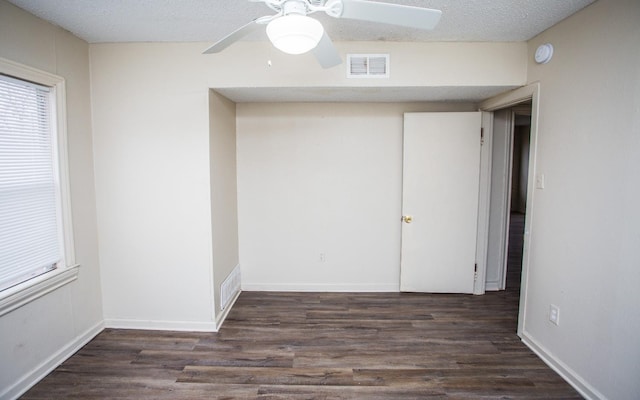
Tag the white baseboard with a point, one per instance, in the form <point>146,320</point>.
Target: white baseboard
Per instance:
<point>492,286</point>
<point>37,374</point>
<point>569,375</point>
<point>312,287</point>
<point>189,326</point>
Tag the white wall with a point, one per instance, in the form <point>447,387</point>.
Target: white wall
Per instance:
<point>319,194</point>
<point>37,336</point>
<point>224,199</point>
<point>154,168</point>
<point>584,254</point>
<point>151,147</point>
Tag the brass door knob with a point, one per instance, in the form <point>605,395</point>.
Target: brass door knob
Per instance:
<point>407,219</point>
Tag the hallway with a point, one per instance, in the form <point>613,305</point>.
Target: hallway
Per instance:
<point>514,255</point>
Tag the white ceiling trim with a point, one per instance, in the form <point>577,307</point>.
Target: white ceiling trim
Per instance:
<point>471,94</point>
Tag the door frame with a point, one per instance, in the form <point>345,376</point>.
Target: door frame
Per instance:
<point>506,100</point>
<point>499,212</point>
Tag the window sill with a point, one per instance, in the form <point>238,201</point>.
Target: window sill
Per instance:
<point>26,292</point>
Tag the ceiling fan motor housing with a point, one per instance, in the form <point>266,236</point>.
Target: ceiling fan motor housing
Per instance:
<point>295,7</point>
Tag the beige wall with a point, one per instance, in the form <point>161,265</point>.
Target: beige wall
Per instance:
<point>320,194</point>
<point>154,169</point>
<point>36,336</point>
<point>584,254</point>
<point>411,64</point>
<point>224,199</point>
<point>151,149</point>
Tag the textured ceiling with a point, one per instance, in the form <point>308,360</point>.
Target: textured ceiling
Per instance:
<point>102,21</point>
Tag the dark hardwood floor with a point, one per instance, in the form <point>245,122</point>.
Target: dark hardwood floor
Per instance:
<point>321,346</point>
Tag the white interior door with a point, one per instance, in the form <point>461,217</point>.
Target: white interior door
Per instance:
<point>500,199</point>
<point>441,170</point>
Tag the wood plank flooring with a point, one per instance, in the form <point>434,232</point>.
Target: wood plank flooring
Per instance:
<point>321,346</point>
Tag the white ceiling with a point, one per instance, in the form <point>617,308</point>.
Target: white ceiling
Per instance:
<point>100,21</point>
<point>105,21</point>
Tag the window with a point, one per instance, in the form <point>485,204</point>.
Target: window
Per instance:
<point>28,189</point>
<point>36,243</point>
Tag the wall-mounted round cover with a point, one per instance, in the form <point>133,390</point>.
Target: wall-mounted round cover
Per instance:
<point>544,53</point>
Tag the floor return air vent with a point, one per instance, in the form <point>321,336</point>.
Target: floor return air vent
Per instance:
<point>229,288</point>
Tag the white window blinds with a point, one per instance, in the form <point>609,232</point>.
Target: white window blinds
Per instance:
<point>29,235</point>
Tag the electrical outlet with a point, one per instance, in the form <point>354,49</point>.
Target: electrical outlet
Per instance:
<point>322,258</point>
<point>554,314</point>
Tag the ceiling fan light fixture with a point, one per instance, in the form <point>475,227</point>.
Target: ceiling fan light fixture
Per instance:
<point>295,33</point>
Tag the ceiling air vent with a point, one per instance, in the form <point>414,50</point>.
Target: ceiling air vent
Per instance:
<point>367,65</point>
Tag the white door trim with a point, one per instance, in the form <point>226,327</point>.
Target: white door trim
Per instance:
<point>505,100</point>
<point>484,197</point>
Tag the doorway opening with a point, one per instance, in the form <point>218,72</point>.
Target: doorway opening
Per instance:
<point>500,111</point>
<point>518,203</point>
<point>508,197</point>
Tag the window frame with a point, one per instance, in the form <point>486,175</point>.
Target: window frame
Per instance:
<point>67,270</point>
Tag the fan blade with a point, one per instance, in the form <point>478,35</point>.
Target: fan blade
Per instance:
<point>394,14</point>
<point>326,53</point>
<point>232,38</point>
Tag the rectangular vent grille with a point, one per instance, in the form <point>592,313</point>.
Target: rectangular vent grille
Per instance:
<point>368,65</point>
<point>230,287</point>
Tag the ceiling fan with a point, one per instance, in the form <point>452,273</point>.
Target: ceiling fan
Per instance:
<point>293,32</point>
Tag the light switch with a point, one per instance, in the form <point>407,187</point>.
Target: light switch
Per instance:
<point>540,181</point>
<point>554,314</point>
